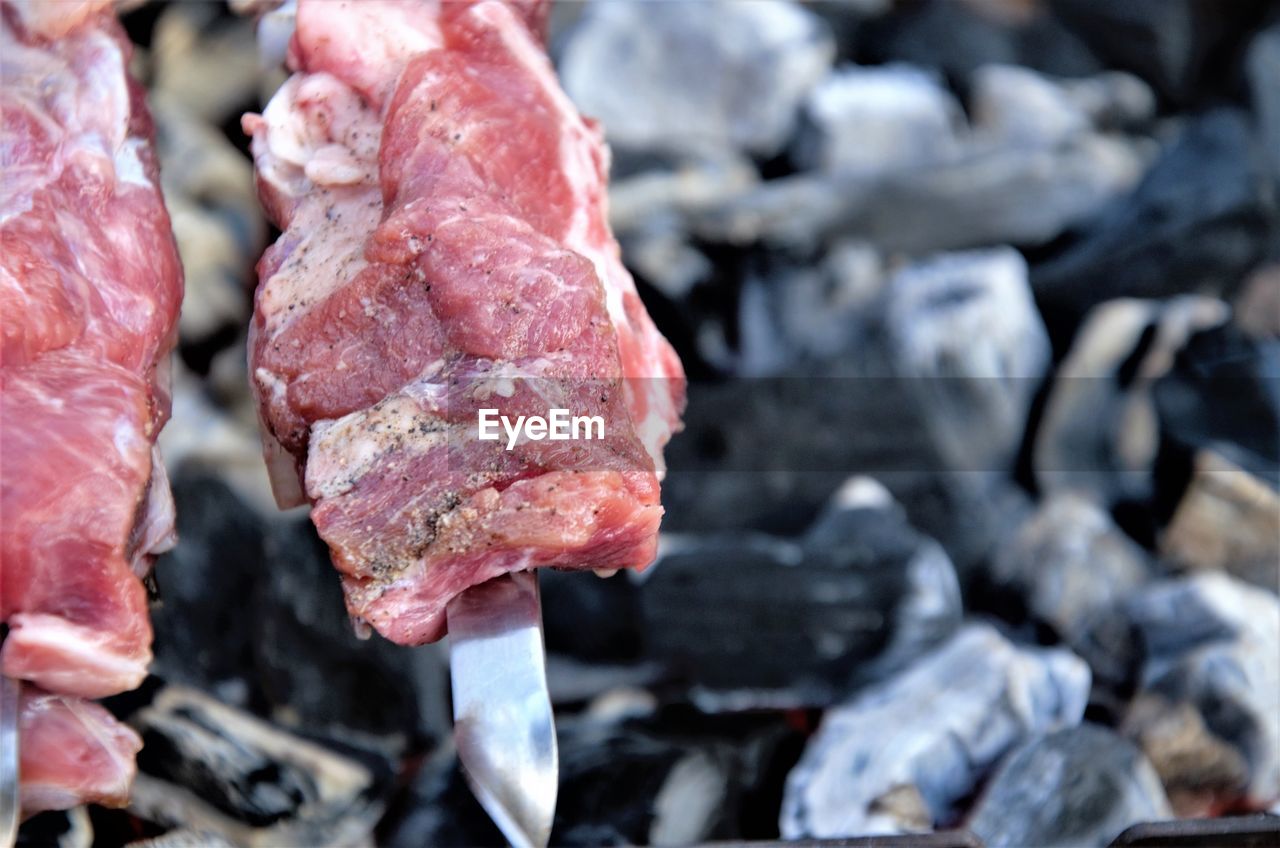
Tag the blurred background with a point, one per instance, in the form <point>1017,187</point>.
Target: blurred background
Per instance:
<point>975,521</point>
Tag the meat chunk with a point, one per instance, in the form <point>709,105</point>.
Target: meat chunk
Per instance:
<point>72,751</point>
<point>90,287</point>
<point>445,249</point>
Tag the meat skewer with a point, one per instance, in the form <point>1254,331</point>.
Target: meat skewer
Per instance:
<point>90,287</point>
<point>446,252</point>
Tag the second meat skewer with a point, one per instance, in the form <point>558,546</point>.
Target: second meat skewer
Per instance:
<point>446,263</point>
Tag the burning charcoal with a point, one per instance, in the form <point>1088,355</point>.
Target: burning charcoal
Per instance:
<point>1176,45</point>
<point>1228,520</point>
<point>1071,563</point>
<point>1212,642</point>
<point>209,767</point>
<point>878,119</point>
<point>696,76</point>
<point>964,330</point>
<point>1015,105</point>
<point>1099,434</point>
<point>901,753</point>
<point>201,637</point>
<point>1024,196</point>
<point>1080,786</point>
<point>317,674</point>
<point>1197,222</point>
<point>861,595</point>
<point>1202,773</point>
<point>1223,393</point>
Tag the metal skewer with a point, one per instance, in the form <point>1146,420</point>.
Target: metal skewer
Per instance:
<point>9,764</point>
<point>502,719</point>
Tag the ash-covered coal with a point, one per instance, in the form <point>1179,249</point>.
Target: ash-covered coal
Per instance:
<point>900,754</point>
<point>653,779</point>
<point>1079,786</point>
<point>757,621</point>
<point>1211,642</point>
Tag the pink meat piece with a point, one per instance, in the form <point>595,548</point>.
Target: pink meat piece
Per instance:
<point>446,248</point>
<point>72,751</point>
<point>90,286</point>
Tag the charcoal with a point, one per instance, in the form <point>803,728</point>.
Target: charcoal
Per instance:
<point>754,620</point>
<point>696,76</point>
<point>948,36</point>
<point>1212,642</point>
<point>210,767</point>
<point>1223,393</point>
<point>673,186</point>
<point>589,618</point>
<point>1071,564</point>
<point>967,511</point>
<point>184,838</point>
<point>793,316</point>
<point>316,673</point>
<point>957,38</point>
<point>627,787</point>
<point>878,119</point>
<point>439,810</point>
<point>1197,222</point>
<point>902,753</point>
<point>1228,520</point>
<point>1079,786</point>
<point>1098,433</point>
<point>1264,80</point>
<point>201,637</point>
<point>1023,196</point>
<point>208,188</point>
<point>208,183</point>
<point>1201,772</point>
<point>573,682</point>
<point>619,785</point>
<point>1257,307</point>
<point>205,436</point>
<point>966,335</point>
<point>884,382</point>
<point>1181,47</point>
<point>57,829</point>
<point>1014,105</point>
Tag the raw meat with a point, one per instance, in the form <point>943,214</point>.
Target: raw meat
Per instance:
<point>445,249</point>
<point>72,750</point>
<point>90,287</point>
